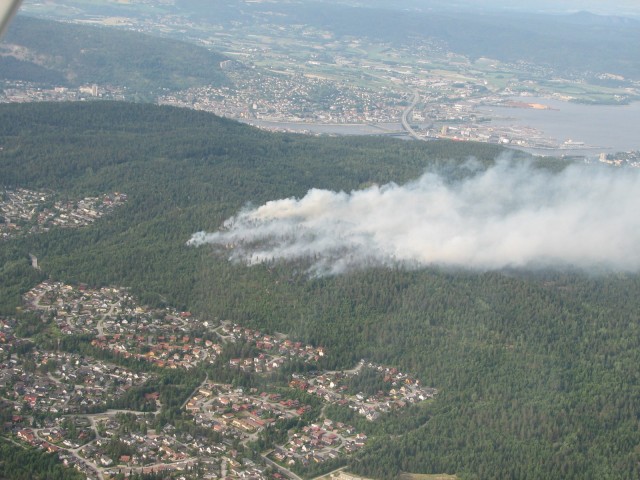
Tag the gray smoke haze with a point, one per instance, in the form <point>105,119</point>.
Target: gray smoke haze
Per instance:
<point>510,215</point>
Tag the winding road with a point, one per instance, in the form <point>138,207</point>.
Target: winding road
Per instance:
<point>405,116</point>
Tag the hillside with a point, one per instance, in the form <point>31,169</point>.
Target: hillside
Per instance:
<point>569,44</point>
<point>64,54</point>
<point>537,372</point>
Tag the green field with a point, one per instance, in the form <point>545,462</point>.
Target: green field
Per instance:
<point>416,476</point>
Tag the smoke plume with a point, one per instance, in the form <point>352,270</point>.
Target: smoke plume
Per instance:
<point>510,215</point>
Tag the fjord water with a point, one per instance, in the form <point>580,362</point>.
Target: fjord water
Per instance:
<point>611,128</point>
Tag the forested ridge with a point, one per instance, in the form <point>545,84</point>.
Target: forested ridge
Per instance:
<point>72,55</point>
<point>537,372</point>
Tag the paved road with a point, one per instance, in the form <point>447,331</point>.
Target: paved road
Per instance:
<point>109,314</point>
<point>38,299</point>
<point>34,261</point>
<point>75,452</point>
<point>328,475</point>
<point>99,471</point>
<point>355,369</point>
<point>195,390</point>
<point>283,470</point>
<point>407,112</point>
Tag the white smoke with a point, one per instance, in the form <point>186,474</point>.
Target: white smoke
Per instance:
<point>510,215</point>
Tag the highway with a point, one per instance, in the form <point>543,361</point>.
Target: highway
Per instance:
<point>405,115</point>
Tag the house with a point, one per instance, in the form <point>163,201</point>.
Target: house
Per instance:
<point>27,435</point>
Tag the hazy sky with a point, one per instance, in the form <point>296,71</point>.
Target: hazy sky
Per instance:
<point>606,7</point>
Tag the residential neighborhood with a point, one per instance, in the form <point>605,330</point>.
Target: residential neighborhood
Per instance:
<point>63,383</point>
<point>24,211</point>
<point>621,159</point>
<point>401,389</point>
<point>71,403</point>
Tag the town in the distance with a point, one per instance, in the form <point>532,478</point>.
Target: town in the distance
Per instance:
<point>310,80</point>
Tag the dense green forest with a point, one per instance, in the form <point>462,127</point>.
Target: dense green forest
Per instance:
<point>66,54</point>
<point>537,372</point>
<point>20,464</point>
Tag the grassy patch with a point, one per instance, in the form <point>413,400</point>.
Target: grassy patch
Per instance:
<point>418,476</point>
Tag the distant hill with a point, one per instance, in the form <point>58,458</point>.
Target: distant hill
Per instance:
<point>577,43</point>
<point>588,18</point>
<point>71,55</point>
